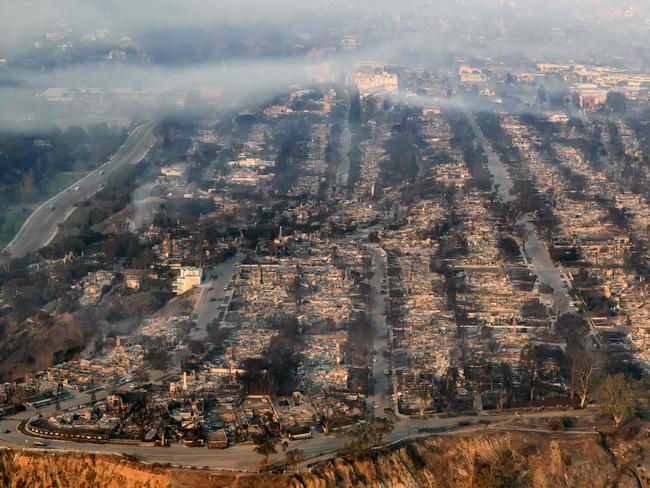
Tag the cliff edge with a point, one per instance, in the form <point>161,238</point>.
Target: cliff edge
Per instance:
<point>486,460</point>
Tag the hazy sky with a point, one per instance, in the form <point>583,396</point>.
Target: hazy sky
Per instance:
<point>30,17</point>
<point>258,47</point>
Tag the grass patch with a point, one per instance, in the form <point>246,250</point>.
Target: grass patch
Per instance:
<point>16,215</point>
<point>61,181</point>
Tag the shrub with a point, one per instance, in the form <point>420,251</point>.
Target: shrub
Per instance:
<point>569,422</point>
<point>556,424</point>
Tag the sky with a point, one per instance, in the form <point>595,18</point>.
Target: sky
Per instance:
<point>253,48</point>
<point>25,18</point>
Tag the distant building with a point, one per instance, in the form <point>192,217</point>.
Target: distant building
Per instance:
<point>187,278</point>
<point>372,80</point>
<point>469,75</point>
<point>553,68</point>
<point>558,118</point>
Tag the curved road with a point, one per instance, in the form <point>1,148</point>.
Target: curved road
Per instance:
<point>43,224</point>
<point>241,457</point>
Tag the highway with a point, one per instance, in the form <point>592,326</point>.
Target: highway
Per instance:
<point>43,224</point>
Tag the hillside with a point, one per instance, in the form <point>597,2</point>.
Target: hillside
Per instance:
<point>509,459</point>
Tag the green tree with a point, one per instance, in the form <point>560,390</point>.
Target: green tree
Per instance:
<point>363,437</point>
<point>616,398</point>
<point>216,334</point>
<point>506,385</point>
<point>294,457</point>
<point>330,411</point>
<point>572,329</point>
<point>585,365</point>
<point>449,387</point>
<point>141,411</point>
<point>616,102</point>
<point>141,375</point>
<point>196,347</point>
<point>424,392</point>
<point>530,363</point>
<point>265,443</point>
<point>158,359</point>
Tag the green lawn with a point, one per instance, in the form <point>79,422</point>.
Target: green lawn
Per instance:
<point>60,182</point>
<point>16,215</point>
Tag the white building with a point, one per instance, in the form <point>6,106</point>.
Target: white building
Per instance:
<point>187,278</point>
<point>374,80</point>
<point>469,75</point>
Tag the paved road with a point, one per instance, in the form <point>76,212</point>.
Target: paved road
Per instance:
<point>535,249</point>
<point>380,361</point>
<point>214,294</point>
<point>343,171</point>
<point>549,274</point>
<point>43,224</point>
<point>500,176</point>
<point>380,398</point>
<point>242,457</point>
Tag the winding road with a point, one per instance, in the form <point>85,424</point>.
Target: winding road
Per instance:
<point>43,224</point>
<point>242,458</point>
